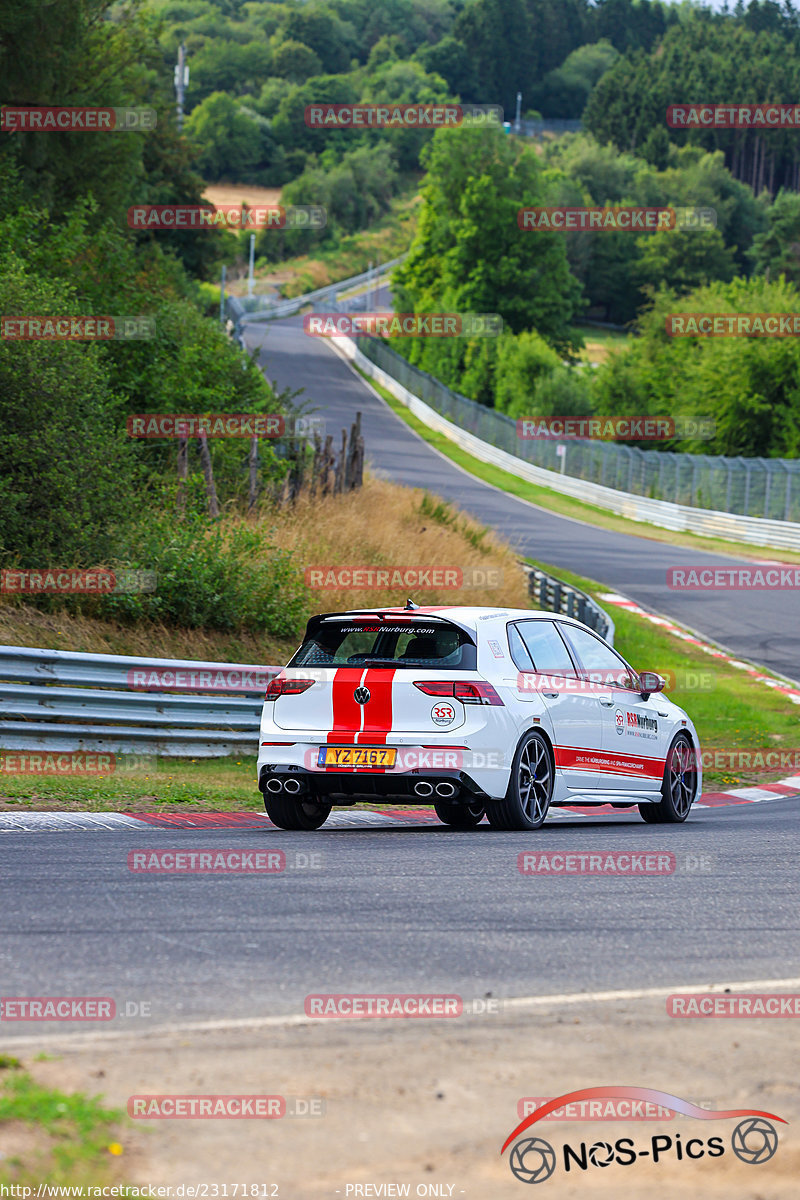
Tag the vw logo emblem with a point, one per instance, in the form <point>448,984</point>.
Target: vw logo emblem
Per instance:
<point>361,695</point>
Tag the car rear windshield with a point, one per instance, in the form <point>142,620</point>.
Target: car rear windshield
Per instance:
<point>370,642</point>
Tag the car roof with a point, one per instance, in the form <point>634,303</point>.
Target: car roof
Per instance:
<point>467,617</point>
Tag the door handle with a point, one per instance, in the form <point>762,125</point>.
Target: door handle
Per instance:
<point>551,695</point>
<point>607,703</point>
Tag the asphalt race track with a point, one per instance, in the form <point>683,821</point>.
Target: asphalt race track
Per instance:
<point>416,908</point>
<point>762,626</point>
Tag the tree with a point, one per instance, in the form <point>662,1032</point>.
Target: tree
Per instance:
<point>682,259</point>
<point>234,143</point>
<point>563,92</point>
<point>470,256</point>
<point>749,385</point>
<point>69,472</point>
<point>776,251</point>
<point>295,61</point>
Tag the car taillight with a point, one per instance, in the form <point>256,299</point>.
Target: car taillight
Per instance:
<point>474,692</point>
<point>437,687</point>
<point>286,687</point>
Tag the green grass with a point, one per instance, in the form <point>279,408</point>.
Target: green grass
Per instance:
<point>142,785</point>
<point>601,341</point>
<point>734,712</point>
<point>75,1140</point>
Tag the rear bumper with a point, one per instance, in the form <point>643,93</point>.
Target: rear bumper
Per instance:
<point>353,784</point>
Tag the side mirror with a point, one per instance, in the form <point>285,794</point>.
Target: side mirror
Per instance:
<point>650,682</point>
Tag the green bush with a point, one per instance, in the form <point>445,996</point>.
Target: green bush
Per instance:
<point>211,575</point>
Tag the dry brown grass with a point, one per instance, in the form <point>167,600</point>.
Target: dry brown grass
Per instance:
<point>385,524</point>
<point>241,193</point>
<point>382,524</point>
<point>24,625</point>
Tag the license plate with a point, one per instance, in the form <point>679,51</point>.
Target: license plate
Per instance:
<point>357,756</point>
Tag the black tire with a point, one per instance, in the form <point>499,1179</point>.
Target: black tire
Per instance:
<point>530,788</point>
<point>295,812</point>
<point>460,816</point>
<point>678,787</point>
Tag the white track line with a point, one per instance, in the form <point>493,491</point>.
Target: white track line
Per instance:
<point>518,1003</point>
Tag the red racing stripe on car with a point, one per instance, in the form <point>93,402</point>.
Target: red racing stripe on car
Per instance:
<point>378,713</point>
<point>577,759</point>
<point>346,711</point>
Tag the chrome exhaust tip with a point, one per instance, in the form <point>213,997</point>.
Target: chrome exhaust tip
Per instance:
<point>274,785</point>
<point>292,785</point>
<point>446,790</point>
<point>423,788</point>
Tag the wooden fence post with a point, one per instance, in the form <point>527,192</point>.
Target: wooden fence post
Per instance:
<point>253,478</point>
<point>183,473</point>
<point>211,491</point>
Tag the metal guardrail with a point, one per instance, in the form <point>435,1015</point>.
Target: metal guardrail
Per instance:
<point>249,309</point>
<point>628,478</point>
<point>757,531</point>
<point>62,700</point>
<point>554,595</point>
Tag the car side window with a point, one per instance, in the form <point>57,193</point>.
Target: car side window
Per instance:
<point>518,651</point>
<point>598,662</point>
<point>546,647</point>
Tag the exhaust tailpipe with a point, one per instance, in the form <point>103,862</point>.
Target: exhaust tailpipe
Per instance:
<point>274,785</point>
<point>292,785</point>
<point>446,790</point>
<point>423,789</point>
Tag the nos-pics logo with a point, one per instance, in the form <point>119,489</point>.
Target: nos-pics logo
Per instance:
<point>533,1160</point>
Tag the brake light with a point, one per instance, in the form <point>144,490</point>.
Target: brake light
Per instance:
<point>286,687</point>
<point>476,691</point>
<point>437,687</point>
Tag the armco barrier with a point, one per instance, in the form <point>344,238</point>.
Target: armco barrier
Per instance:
<point>757,531</point>
<point>62,700</point>
<point>249,309</point>
<point>554,595</point>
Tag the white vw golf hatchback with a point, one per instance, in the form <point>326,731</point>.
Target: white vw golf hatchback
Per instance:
<point>474,711</point>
